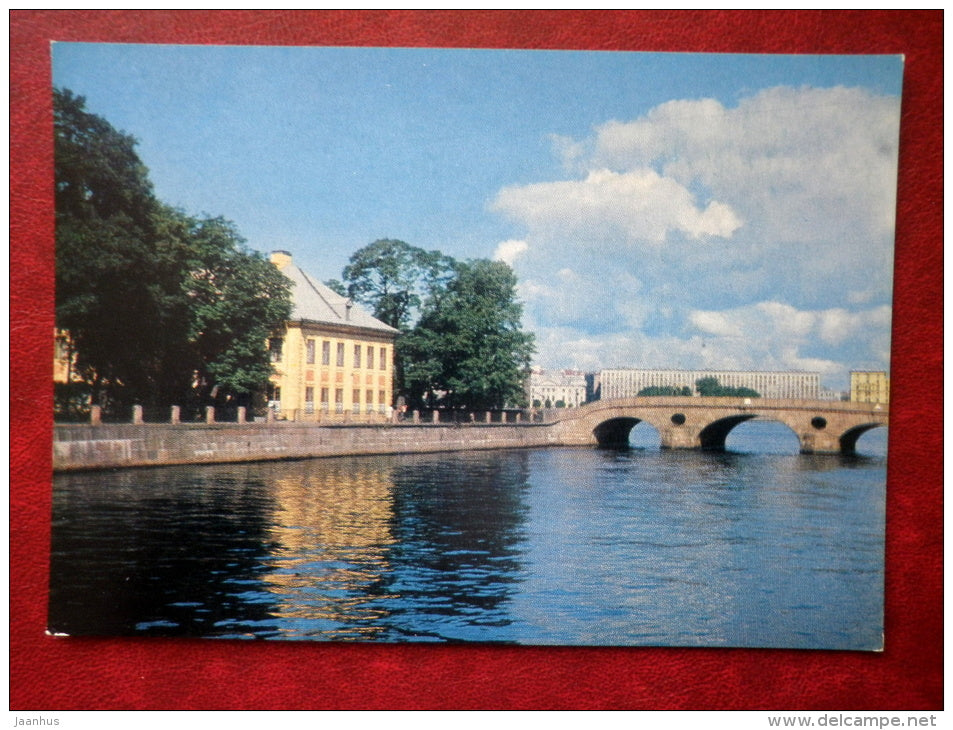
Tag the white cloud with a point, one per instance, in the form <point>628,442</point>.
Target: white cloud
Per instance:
<point>509,251</point>
<point>782,319</point>
<point>835,326</point>
<point>714,323</point>
<point>698,234</point>
<point>562,347</point>
<point>807,164</point>
<point>639,204</point>
<point>773,335</point>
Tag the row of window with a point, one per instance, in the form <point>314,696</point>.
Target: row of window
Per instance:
<point>338,398</point>
<point>369,403</point>
<point>310,347</point>
<point>276,346</point>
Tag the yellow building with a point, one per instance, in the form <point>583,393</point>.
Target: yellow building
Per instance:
<point>335,361</point>
<point>869,386</point>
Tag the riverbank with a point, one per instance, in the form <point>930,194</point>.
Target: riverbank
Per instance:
<point>79,447</point>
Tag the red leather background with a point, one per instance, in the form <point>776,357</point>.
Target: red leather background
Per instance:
<point>58,674</point>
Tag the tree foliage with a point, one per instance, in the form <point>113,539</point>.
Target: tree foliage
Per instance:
<point>711,387</point>
<point>393,278</point>
<point>156,303</point>
<point>237,299</point>
<point>667,390</point>
<point>106,243</point>
<point>468,349</point>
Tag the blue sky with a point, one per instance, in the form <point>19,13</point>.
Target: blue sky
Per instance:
<point>660,210</point>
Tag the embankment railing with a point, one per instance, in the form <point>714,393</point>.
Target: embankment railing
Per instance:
<point>242,416</point>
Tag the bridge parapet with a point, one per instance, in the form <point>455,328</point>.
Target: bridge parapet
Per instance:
<point>704,422</point>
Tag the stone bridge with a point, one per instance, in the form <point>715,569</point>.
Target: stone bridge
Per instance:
<point>822,427</point>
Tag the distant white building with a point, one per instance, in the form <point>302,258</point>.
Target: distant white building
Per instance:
<point>556,388</point>
<point>628,382</point>
<point>834,395</point>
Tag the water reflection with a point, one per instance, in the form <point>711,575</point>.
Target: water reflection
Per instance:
<point>547,546</point>
<point>331,534</point>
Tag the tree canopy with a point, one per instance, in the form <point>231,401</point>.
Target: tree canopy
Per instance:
<point>237,300</point>
<point>393,278</point>
<point>468,349</point>
<point>160,307</point>
<point>711,387</point>
<point>461,343</point>
<point>670,390</point>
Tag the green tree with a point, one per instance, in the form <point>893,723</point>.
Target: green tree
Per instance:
<point>393,278</point>
<point>237,300</point>
<point>709,386</point>
<point>667,390</point>
<point>98,173</point>
<point>468,346</point>
<point>152,299</point>
<point>112,276</point>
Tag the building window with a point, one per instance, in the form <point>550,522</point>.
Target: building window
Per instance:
<point>274,348</point>
<point>383,359</point>
<point>339,400</point>
<point>382,399</point>
<point>309,350</point>
<point>325,353</point>
<point>357,356</point>
<point>325,405</point>
<point>370,357</point>
<point>356,401</point>
<point>340,360</point>
<point>309,400</point>
<point>369,397</point>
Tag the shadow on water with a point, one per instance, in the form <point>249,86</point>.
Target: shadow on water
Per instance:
<point>163,552</point>
<point>458,526</point>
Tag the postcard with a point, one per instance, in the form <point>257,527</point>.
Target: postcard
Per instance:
<point>497,346</point>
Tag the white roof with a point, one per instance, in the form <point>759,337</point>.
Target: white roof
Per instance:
<point>313,301</point>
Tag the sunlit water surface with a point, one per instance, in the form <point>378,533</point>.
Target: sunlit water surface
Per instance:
<point>759,546</point>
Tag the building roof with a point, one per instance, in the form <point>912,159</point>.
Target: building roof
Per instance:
<point>315,302</point>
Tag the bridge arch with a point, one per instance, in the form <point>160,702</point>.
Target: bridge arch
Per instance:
<point>619,432</point>
<point>614,432</point>
<point>848,439</point>
<point>765,435</point>
<point>712,437</point>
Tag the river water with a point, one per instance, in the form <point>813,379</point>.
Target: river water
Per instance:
<point>758,546</point>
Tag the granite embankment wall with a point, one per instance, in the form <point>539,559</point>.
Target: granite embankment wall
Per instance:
<point>82,446</point>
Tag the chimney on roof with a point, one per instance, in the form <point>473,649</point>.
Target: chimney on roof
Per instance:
<point>281,259</point>
<point>347,310</point>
